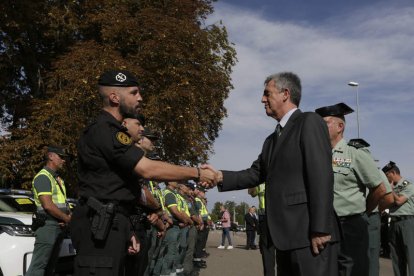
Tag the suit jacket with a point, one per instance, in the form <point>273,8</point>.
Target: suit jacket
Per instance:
<point>297,169</point>
<point>251,222</point>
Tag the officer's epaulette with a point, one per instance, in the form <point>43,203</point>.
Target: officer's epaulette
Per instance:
<point>358,143</point>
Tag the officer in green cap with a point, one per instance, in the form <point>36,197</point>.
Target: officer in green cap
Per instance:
<point>374,218</point>
<point>50,197</point>
<point>354,172</point>
<point>401,233</point>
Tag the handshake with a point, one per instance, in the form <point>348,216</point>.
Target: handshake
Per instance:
<point>209,177</point>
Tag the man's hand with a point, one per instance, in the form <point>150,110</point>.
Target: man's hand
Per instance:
<point>208,175</point>
<point>318,242</point>
<point>217,176</point>
<point>134,247</point>
<point>152,218</point>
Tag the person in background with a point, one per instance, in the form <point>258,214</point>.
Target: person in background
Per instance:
<point>251,228</point>
<point>225,223</point>
<point>53,214</point>
<point>401,232</point>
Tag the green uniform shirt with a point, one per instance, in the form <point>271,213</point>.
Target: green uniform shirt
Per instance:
<point>354,171</point>
<point>170,200</point>
<point>406,189</point>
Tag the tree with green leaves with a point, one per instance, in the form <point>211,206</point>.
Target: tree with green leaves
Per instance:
<point>50,66</point>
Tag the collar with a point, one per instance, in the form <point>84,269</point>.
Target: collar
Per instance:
<point>52,172</point>
<point>286,117</point>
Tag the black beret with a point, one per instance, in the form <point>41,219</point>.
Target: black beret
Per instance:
<point>358,143</point>
<point>58,150</point>
<point>119,78</point>
<point>149,134</point>
<point>389,166</point>
<point>337,110</point>
<point>141,119</point>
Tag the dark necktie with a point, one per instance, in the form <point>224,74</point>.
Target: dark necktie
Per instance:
<point>278,129</point>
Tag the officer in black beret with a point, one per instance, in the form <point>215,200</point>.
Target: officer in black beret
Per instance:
<point>355,171</point>
<point>401,232</point>
<point>109,168</point>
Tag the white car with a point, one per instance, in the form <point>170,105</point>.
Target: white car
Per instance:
<point>17,238</point>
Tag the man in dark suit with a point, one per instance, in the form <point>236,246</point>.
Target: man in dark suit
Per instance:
<point>296,164</point>
<point>251,228</point>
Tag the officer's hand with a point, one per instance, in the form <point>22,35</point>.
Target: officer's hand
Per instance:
<point>318,241</point>
<point>134,247</point>
<point>152,218</point>
<point>215,176</point>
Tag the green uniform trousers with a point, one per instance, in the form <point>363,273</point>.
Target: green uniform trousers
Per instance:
<point>166,259</point>
<point>353,252</point>
<point>374,232</point>
<point>182,249</point>
<point>189,254</point>
<point>402,246</point>
<point>46,237</point>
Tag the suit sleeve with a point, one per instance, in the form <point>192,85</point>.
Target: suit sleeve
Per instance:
<point>317,158</point>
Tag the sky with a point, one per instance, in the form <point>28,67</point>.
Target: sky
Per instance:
<point>328,44</point>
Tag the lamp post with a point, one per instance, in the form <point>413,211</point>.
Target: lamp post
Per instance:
<point>355,84</point>
<point>234,209</point>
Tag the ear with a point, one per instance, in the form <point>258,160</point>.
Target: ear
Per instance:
<point>286,94</point>
<point>113,97</point>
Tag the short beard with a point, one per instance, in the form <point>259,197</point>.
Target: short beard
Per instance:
<point>126,112</point>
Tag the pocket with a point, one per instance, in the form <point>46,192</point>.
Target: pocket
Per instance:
<point>341,170</point>
<point>95,265</point>
<point>296,198</point>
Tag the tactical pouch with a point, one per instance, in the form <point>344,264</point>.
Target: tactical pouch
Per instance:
<point>102,218</point>
<point>38,220</point>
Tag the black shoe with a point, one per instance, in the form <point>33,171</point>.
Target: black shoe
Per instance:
<point>200,264</point>
<point>247,248</point>
<point>205,255</point>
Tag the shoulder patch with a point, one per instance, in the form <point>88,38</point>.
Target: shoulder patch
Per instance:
<point>123,138</point>
<point>358,143</point>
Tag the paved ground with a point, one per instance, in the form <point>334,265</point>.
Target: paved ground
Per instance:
<point>241,262</point>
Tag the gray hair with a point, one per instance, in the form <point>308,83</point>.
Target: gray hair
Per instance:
<point>290,81</point>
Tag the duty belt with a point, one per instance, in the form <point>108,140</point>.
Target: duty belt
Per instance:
<point>123,207</point>
<point>400,218</point>
<point>349,217</point>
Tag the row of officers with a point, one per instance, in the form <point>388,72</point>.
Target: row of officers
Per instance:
<point>123,224</point>
<point>111,173</point>
<point>363,195</point>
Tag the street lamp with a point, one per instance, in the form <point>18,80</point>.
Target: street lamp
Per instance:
<point>234,209</point>
<point>355,84</point>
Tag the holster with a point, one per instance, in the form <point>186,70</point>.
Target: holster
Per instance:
<point>38,220</point>
<point>102,218</point>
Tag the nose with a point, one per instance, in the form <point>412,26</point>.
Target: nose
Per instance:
<point>264,99</point>
<point>139,97</point>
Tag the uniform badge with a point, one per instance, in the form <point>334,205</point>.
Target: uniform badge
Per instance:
<point>120,77</point>
<point>123,138</point>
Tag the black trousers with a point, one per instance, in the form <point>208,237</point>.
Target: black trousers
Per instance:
<point>99,257</point>
<point>302,262</point>
<point>136,265</point>
<point>250,237</point>
<point>267,249</point>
